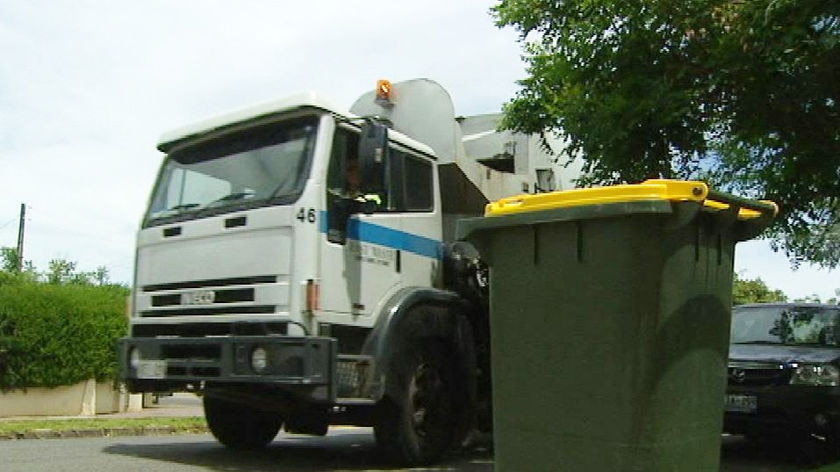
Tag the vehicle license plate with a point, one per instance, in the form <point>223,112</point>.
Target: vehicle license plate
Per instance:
<point>151,369</point>
<point>741,403</point>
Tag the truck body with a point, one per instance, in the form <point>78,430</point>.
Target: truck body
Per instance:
<point>263,284</point>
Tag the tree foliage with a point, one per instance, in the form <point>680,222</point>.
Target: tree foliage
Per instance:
<point>8,259</point>
<point>754,291</point>
<point>9,267</point>
<point>743,94</point>
<point>835,300</point>
<point>60,271</point>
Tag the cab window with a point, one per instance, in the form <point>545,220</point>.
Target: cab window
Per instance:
<point>409,186</point>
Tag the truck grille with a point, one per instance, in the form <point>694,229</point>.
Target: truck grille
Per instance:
<point>207,311</point>
<point>197,330</point>
<point>758,373</point>
<point>264,279</point>
<point>352,374</point>
<point>245,295</point>
<point>220,296</point>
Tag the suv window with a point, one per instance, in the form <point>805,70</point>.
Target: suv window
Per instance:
<point>786,324</point>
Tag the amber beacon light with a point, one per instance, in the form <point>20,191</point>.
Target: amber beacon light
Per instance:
<point>383,90</point>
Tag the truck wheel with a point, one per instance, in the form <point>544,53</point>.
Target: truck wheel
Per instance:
<point>420,422</point>
<point>238,426</point>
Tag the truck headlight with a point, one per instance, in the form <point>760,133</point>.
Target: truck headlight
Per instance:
<point>134,358</point>
<point>259,360</point>
<point>821,375</point>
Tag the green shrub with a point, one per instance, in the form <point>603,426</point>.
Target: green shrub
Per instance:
<point>53,335</point>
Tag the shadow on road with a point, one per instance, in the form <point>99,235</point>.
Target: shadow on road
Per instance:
<point>353,449</point>
<point>350,449</point>
<point>740,455</point>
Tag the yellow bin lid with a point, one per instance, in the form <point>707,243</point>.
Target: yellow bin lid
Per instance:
<point>654,189</point>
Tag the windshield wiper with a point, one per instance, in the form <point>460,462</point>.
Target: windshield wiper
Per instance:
<point>185,206</point>
<point>757,342</point>
<point>175,210</point>
<point>233,196</point>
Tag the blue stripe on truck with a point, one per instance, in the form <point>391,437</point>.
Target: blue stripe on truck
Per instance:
<point>365,232</point>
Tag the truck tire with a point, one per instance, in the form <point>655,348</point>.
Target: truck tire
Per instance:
<point>420,422</point>
<point>238,426</point>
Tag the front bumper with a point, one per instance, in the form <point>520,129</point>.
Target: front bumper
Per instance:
<point>786,410</point>
<point>302,366</point>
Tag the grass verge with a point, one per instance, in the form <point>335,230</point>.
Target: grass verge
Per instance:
<point>76,427</point>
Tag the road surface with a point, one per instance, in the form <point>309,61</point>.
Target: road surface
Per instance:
<point>344,449</point>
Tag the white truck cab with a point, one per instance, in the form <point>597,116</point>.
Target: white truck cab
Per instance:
<point>292,291</point>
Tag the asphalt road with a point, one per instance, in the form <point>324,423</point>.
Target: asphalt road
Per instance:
<point>344,449</point>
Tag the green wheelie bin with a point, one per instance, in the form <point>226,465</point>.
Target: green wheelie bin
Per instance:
<point>610,315</point>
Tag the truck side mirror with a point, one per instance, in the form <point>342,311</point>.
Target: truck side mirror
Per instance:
<point>341,208</point>
<point>337,220</point>
<point>373,155</point>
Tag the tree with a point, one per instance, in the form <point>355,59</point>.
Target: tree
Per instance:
<point>835,300</point>
<point>9,266</point>
<point>8,259</point>
<point>754,291</point>
<point>743,94</point>
<point>100,276</point>
<point>61,271</point>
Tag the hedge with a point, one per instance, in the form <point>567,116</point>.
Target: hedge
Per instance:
<point>53,335</point>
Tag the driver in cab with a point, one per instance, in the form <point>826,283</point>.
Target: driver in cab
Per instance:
<point>353,188</point>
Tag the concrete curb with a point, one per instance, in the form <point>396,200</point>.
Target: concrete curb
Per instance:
<point>100,432</point>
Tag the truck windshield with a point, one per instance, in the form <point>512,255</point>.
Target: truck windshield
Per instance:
<point>786,324</point>
<point>258,167</point>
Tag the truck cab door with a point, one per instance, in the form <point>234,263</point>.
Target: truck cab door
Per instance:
<point>358,266</point>
<point>385,245</point>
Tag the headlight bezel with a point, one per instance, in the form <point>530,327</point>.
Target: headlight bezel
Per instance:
<point>134,358</point>
<point>815,375</point>
<point>259,359</point>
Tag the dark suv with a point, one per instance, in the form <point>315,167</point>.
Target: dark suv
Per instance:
<point>784,372</point>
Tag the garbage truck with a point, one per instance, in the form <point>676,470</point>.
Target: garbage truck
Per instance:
<point>296,267</point>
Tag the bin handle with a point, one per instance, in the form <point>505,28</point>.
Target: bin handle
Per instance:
<point>649,190</point>
<point>747,208</point>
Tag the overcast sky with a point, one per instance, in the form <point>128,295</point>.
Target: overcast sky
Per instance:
<point>87,87</point>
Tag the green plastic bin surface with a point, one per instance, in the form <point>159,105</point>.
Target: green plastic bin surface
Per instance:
<point>610,330</point>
